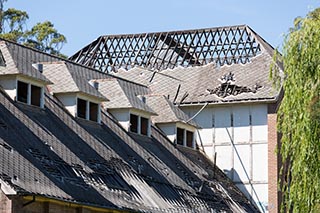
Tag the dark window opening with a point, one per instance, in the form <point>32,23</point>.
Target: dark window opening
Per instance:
<point>35,95</point>
<point>144,126</point>
<point>180,136</point>
<point>133,123</point>
<point>189,139</point>
<point>22,92</point>
<point>93,112</point>
<point>2,61</point>
<point>81,108</point>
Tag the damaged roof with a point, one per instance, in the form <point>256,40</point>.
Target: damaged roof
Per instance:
<point>213,65</point>
<point>164,50</point>
<point>102,165</point>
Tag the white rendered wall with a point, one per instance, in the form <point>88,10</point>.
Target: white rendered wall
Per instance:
<point>9,84</point>
<point>69,101</point>
<point>169,129</point>
<point>245,128</point>
<point>123,117</point>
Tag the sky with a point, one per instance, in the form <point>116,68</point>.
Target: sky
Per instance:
<point>83,21</point>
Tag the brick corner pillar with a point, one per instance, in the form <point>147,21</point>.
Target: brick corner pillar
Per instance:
<point>273,162</point>
<point>5,203</point>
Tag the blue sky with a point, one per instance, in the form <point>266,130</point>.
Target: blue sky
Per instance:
<point>83,21</point>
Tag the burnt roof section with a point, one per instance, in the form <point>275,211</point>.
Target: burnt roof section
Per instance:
<point>163,50</point>
<point>210,83</point>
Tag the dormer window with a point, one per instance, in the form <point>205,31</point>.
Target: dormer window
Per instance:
<point>29,94</point>
<point>88,110</point>
<point>185,137</point>
<point>139,124</point>
<point>134,120</point>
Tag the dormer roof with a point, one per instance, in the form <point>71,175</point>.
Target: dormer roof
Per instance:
<point>167,112</point>
<point>20,60</point>
<point>124,94</point>
<point>66,79</point>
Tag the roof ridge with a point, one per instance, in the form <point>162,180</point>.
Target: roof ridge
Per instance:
<point>173,31</point>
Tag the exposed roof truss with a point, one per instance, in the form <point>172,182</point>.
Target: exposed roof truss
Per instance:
<point>224,45</point>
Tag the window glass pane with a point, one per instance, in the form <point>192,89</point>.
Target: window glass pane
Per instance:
<point>22,92</point>
<point>81,108</point>
<point>133,123</point>
<point>180,136</point>
<point>144,126</point>
<point>93,112</point>
<point>35,95</point>
<point>189,139</point>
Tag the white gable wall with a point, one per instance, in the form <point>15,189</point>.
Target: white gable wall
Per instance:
<point>245,126</point>
<point>123,117</point>
<point>9,84</point>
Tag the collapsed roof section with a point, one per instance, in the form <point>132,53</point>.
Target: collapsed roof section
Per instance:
<point>163,50</point>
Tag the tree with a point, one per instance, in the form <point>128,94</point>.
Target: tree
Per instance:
<point>45,37</point>
<point>299,115</point>
<point>13,24</point>
<point>42,36</point>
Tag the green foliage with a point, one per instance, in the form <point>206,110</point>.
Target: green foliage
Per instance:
<point>299,115</point>
<point>45,37</point>
<point>14,22</point>
<point>42,36</point>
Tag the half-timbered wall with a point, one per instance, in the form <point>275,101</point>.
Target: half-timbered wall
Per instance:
<point>237,136</point>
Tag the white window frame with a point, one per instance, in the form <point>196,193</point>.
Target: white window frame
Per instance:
<point>185,137</point>
<point>87,115</point>
<point>139,124</point>
<point>29,93</point>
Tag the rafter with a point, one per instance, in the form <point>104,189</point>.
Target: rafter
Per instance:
<point>223,45</point>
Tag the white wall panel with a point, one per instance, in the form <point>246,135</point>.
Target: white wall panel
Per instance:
<point>260,162</point>
<point>204,119</point>
<point>259,115</point>
<point>224,158</point>
<point>241,124</point>
<point>206,137</point>
<point>222,123</point>
<point>209,152</point>
<point>262,191</point>
<point>245,154</point>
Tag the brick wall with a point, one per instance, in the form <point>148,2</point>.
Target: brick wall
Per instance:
<point>16,204</point>
<point>273,164</point>
<point>5,203</point>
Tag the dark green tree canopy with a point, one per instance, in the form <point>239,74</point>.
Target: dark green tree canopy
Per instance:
<point>299,115</point>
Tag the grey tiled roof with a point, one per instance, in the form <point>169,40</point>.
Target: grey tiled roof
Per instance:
<point>199,84</point>
<point>124,94</point>
<point>19,60</point>
<point>47,152</point>
<point>167,112</point>
<point>102,165</point>
<point>196,82</point>
<point>66,79</point>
